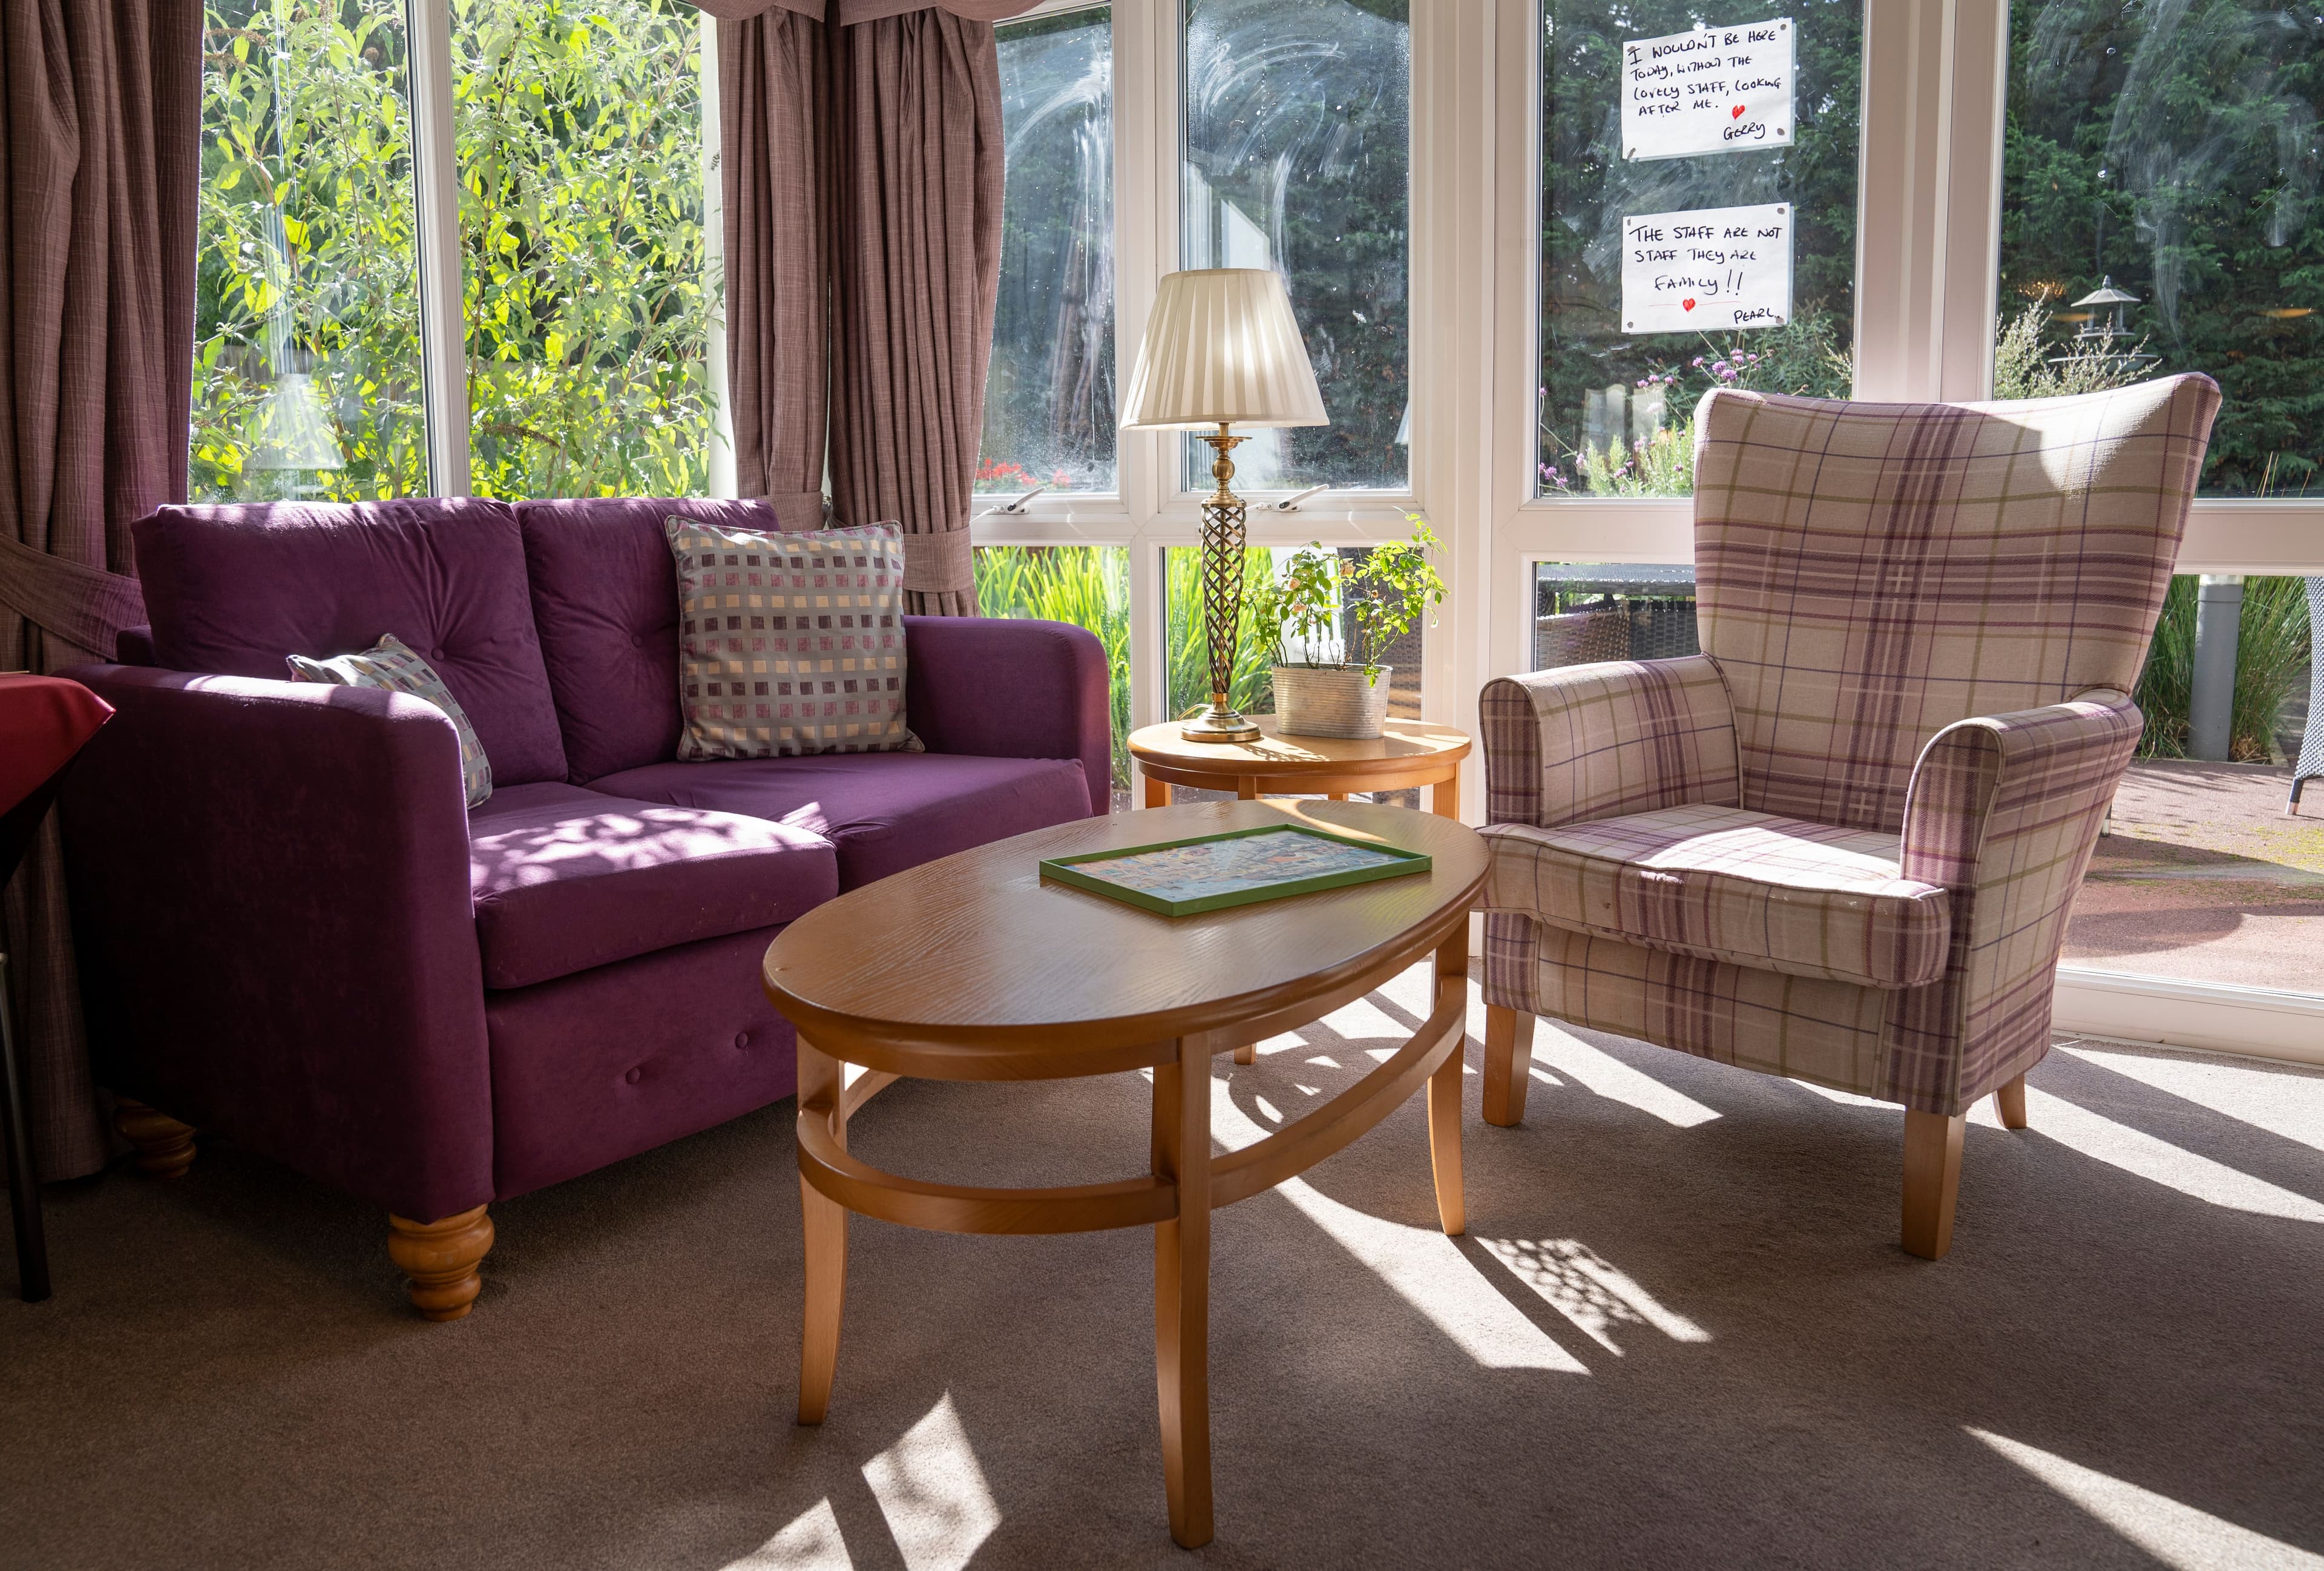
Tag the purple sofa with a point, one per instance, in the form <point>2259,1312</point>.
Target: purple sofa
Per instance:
<point>293,932</point>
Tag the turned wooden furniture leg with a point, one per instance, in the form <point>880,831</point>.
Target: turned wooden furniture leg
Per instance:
<point>2009,1100</point>
<point>1932,1153</point>
<point>824,1221</point>
<point>165,1148</point>
<point>1182,1288</point>
<point>440,1257</point>
<point>1509,1060</point>
<point>1157,792</point>
<point>1445,1090</point>
<point>1444,798</point>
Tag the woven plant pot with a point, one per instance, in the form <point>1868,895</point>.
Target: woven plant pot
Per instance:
<point>1330,701</point>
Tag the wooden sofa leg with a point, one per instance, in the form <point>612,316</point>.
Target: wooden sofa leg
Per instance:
<point>2009,1098</point>
<point>442,1259</point>
<point>165,1148</point>
<point>1508,1058</point>
<point>1932,1153</point>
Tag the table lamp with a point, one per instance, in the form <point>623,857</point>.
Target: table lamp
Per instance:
<point>1221,348</point>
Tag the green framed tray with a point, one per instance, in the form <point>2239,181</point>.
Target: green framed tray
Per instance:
<point>1184,885</point>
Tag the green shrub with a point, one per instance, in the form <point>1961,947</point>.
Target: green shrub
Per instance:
<point>1087,585</point>
<point>2272,653</point>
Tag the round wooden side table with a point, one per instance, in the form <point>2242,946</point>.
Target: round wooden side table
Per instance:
<point>1409,753</point>
<point>972,968</point>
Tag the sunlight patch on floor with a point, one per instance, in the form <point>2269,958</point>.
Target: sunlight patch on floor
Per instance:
<point>2179,1536</point>
<point>1426,1269</point>
<point>2135,1151</point>
<point>932,1491</point>
<point>811,1543</point>
<point>1611,1078</point>
<point>2281,1102</point>
<point>1582,1285</point>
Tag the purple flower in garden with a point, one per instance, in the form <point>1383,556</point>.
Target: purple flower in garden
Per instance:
<point>1698,361</point>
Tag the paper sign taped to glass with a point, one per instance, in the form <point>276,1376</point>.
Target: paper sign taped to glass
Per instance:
<point>1717,89</point>
<point>1712,270</point>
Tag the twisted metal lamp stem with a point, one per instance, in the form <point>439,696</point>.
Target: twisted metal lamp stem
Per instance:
<point>1222,548</point>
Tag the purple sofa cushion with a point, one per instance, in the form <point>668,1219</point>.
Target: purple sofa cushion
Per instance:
<point>605,595</point>
<point>232,591</point>
<point>884,811</point>
<point>566,877</point>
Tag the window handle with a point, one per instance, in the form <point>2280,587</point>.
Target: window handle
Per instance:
<point>1016,506</point>
<point>1291,502</point>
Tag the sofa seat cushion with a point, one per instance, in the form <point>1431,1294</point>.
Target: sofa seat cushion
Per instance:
<point>566,877</point>
<point>885,811</point>
<point>1725,884</point>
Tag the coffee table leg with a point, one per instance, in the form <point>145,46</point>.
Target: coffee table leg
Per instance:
<point>820,1079</point>
<point>1445,1090</point>
<point>1182,1288</point>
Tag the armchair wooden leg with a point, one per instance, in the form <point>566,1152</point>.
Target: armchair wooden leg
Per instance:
<point>441,1259</point>
<point>165,1148</point>
<point>2009,1099</point>
<point>1932,1152</point>
<point>1508,1058</point>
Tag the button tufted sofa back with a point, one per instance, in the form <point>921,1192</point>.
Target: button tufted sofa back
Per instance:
<point>604,595</point>
<point>233,589</point>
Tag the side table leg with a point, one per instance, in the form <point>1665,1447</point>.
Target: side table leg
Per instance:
<point>1246,787</point>
<point>1444,797</point>
<point>1182,1288</point>
<point>1157,792</point>
<point>1445,1090</point>
<point>824,1222</point>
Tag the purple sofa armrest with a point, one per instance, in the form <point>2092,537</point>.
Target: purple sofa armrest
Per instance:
<point>270,889</point>
<point>1000,688</point>
<point>133,646</point>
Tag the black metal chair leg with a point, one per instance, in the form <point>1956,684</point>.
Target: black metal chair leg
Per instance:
<point>23,1184</point>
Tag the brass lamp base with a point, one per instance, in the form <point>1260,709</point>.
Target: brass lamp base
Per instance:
<point>1223,547</point>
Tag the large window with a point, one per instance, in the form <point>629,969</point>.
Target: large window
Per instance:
<point>307,323</point>
<point>1048,399</point>
<point>1754,217</point>
<point>1298,157</point>
<point>2162,212</point>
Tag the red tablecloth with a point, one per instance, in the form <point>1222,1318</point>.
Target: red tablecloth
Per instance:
<point>43,722</point>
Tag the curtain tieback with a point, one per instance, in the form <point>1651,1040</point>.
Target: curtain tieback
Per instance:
<point>939,563</point>
<point>84,606</point>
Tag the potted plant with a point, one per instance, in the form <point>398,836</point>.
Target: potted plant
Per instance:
<point>1332,618</point>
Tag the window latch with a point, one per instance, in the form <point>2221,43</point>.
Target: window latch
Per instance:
<point>1291,502</point>
<point>1015,506</point>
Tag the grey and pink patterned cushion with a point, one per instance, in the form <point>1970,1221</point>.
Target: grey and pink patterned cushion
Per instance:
<point>1919,622</point>
<point>789,644</point>
<point>392,665</point>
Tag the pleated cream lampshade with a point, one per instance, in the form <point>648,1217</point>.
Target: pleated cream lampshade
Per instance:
<point>1222,345</point>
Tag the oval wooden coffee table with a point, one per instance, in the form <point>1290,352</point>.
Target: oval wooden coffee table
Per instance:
<point>975,968</point>
<point>1407,752</point>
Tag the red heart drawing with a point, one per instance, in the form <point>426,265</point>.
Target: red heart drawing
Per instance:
<point>1737,113</point>
<point>1688,304</point>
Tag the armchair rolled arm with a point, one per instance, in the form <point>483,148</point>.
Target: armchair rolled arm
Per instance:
<point>1005,687</point>
<point>1578,743</point>
<point>269,886</point>
<point>2004,812</point>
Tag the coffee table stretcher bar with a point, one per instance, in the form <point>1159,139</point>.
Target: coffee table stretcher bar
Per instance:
<point>1184,1185</point>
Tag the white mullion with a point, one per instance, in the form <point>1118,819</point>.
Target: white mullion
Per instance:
<point>436,202</point>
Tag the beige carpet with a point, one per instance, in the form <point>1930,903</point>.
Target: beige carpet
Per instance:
<point>1680,1333</point>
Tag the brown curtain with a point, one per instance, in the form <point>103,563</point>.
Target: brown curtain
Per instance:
<point>915,161</point>
<point>773,104</point>
<point>99,154</point>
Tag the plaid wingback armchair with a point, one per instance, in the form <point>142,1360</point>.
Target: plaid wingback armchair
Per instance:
<point>1842,842</point>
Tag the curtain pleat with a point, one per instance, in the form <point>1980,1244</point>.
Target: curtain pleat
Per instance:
<point>99,158</point>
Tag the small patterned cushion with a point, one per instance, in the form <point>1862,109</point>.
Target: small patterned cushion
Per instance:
<point>789,643</point>
<point>391,664</point>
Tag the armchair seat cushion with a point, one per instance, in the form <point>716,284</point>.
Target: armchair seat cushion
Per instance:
<point>884,811</point>
<point>566,877</point>
<point>1727,883</point>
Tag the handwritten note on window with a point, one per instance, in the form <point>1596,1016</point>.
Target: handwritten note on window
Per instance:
<point>1717,89</point>
<point>1714,268</point>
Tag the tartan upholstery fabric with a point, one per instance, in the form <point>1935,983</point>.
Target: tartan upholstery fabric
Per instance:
<point>1568,745</point>
<point>1727,883</point>
<point>1919,622</point>
<point>1868,573</point>
<point>394,665</point>
<point>789,644</point>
